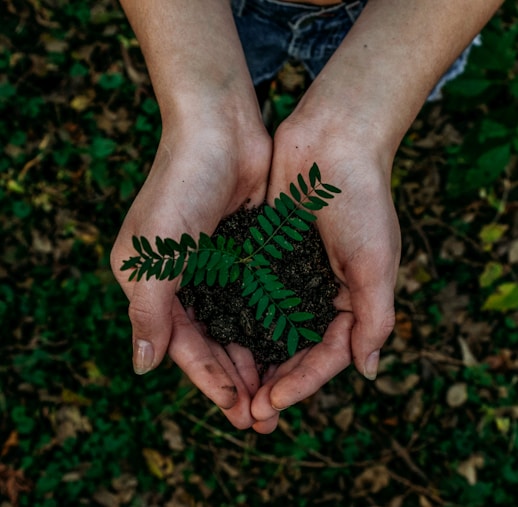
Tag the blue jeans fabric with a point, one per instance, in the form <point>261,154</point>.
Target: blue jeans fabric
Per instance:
<point>273,32</point>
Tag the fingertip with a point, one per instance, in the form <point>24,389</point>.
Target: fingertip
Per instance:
<point>266,427</point>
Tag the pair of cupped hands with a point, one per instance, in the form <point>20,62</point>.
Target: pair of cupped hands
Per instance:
<point>212,160</point>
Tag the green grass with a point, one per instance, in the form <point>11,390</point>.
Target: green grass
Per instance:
<point>79,127</point>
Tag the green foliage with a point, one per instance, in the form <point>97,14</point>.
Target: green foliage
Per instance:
<point>492,132</point>
<point>220,260</point>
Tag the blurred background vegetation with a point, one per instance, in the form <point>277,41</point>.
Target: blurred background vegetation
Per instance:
<point>439,427</point>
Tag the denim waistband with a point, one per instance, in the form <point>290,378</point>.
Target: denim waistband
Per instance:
<point>286,10</point>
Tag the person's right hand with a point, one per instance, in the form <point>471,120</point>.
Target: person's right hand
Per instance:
<point>206,167</point>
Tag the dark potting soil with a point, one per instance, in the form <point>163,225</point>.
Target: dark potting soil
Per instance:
<point>226,314</point>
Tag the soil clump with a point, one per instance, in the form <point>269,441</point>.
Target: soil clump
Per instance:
<point>226,314</point>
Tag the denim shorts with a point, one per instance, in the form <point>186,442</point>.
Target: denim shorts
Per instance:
<point>274,32</point>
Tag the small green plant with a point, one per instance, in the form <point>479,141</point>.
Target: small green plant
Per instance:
<point>219,260</point>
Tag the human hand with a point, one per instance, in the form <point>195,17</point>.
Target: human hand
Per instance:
<point>199,175</point>
<point>361,235</point>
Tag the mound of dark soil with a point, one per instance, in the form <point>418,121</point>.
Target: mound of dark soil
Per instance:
<point>227,316</point>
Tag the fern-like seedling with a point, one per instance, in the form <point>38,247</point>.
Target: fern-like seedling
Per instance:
<point>219,260</point>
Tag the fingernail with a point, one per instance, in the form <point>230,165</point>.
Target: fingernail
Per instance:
<point>143,355</point>
<point>370,368</point>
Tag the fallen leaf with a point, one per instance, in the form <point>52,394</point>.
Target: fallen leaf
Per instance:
<point>414,407</point>
<point>173,435</point>
<point>457,394</point>
<point>468,468</point>
<point>12,441</point>
<point>468,359</point>
<point>371,480</point>
<point>505,298</point>
<point>344,418</point>
<point>159,465</point>
<point>387,385</point>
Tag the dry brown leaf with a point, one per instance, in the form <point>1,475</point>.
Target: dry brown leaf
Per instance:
<point>344,418</point>
<point>468,359</point>
<point>12,441</point>
<point>457,394</point>
<point>173,435</point>
<point>69,422</point>
<point>371,480</point>
<point>387,385</point>
<point>468,469</point>
<point>12,483</point>
<point>414,407</point>
<point>106,498</point>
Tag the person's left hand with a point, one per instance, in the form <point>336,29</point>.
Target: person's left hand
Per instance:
<point>361,235</point>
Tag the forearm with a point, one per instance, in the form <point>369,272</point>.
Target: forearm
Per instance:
<point>389,62</point>
<point>192,51</point>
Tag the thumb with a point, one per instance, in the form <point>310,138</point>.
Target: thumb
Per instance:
<point>150,313</point>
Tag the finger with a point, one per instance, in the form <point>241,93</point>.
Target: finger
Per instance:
<point>375,319</point>
<point>304,374</point>
<point>239,414</point>
<point>150,313</point>
<point>268,426</point>
<point>243,360</point>
<point>192,353</point>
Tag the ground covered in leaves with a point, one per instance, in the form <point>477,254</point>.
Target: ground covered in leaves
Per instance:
<point>439,427</point>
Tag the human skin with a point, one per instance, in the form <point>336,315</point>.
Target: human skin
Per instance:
<point>215,155</point>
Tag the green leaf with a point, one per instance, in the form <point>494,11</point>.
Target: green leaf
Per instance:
<point>287,201</point>
<point>144,268</point>
<point>130,263</point>
<point>302,184</point>
<point>504,299</point>
<point>273,251</point>
<point>265,224</point>
<point>281,294</point>
<point>314,175</point>
<point>248,247</point>
<point>178,266</point>
<point>300,316</point>
<point>261,307</point>
<point>289,303</point>
<point>293,341</point>
<point>256,234</point>
<point>256,296</point>
<point>279,328</point>
<point>214,260</point>
<point>299,224</point>
<point>305,215</point>
<point>162,247</point>
<point>292,233</point>
<point>203,258</point>
<point>172,244</point>
<point>199,276</point>
<point>294,191</point>
<point>281,207</point>
<point>270,315</point>
<point>235,271</point>
<point>260,260</point>
<point>211,277</point>
<point>249,288</point>
<point>136,244</point>
<point>324,194</point>
<point>309,334</point>
<point>187,241</point>
<point>492,272</point>
<point>204,241</point>
<point>282,242</point>
<point>331,188</point>
<point>148,249</point>
<point>223,276</point>
<point>166,272</point>
<point>272,215</point>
